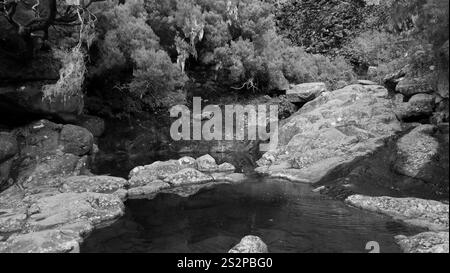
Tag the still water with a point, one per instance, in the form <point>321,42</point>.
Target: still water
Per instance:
<point>289,218</point>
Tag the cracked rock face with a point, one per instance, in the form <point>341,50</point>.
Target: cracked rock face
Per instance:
<point>332,130</point>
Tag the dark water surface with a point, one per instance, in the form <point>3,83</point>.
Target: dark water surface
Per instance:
<point>288,217</point>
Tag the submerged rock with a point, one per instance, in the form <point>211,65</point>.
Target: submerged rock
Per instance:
<point>330,131</point>
<point>250,244</point>
<point>427,242</point>
<point>419,106</point>
<point>76,140</point>
<point>418,212</point>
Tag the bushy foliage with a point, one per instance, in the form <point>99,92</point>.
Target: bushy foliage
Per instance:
<point>321,26</point>
<point>412,34</point>
<point>126,41</point>
<point>235,40</point>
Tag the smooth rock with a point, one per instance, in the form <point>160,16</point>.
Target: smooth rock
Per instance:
<point>93,124</point>
<point>8,146</point>
<point>67,208</point>
<point>250,244</point>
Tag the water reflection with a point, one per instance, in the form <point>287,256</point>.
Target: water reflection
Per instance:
<point>288,217</point>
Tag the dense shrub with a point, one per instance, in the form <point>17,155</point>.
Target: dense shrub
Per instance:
<point>126,41</point>
<point>236,41</point>
<point>321,26</point>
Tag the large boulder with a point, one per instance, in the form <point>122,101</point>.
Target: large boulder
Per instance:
<point>332,130</point>
<point>427,242</point>
<point>142,176</point>
<point>429,214</point>
<point>420,105</point>
<point>302,93</point>
<point>412,86</point>
<point>250,244</point>
<point>97,184</point>
<point>8,146</point>
<point>45,155</point>
<point>416,151</point>
<point>76,140</point>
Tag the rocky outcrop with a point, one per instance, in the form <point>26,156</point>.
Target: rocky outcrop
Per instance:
<point>416,151</point>
<point>412,86</point>
<point>330,131</point>
<point>427,242</point>
<point>429,214</point>
<point>250,244</point>
<point>432,215</point>
<point>183,177</point>
<point>52,205</point>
